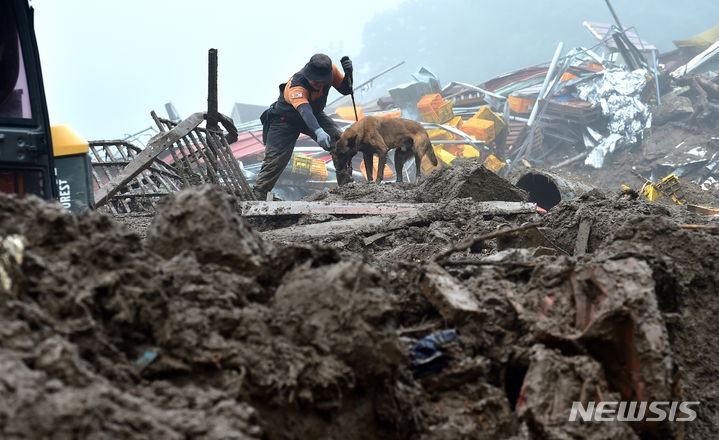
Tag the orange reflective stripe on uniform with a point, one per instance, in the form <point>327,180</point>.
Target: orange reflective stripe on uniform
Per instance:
<point>296,95</point>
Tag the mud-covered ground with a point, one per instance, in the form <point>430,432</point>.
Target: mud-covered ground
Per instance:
<point>210,327</point>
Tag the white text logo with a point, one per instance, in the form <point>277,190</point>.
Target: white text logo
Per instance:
<point>633,411</point>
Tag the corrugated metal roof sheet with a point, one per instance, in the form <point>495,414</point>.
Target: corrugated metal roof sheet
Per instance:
<point>601,30</point>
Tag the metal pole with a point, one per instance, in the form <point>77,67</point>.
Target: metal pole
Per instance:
<point>547,78</point>
<point>369,81</point>
<point>212,90</point>
<point>352,93</point>
<point>614,14</point>
<point>656,75</point>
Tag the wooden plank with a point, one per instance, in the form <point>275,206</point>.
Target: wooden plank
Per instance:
<point>374,224</point>
<point>253,209</point>
<point>706,210</point>
<point>335,228</point>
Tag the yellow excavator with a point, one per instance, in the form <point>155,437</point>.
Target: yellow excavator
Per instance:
<point>35,159</point>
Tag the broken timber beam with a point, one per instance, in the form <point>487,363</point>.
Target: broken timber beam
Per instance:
<point>337,228</point>
<point>144,159</point>
<point>375,224</point>
<point>706,210</point>
<point>270,209</point>
<point>585,226</point>
<point>444,256</point>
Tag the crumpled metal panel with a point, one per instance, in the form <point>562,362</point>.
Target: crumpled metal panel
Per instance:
<point>617,92</point>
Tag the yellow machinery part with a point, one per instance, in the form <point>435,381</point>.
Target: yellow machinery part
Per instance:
<point>66,141</point>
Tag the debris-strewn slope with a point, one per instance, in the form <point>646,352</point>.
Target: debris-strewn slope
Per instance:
<point>206,329</point>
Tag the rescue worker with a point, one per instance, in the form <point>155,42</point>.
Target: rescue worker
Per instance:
<point>299,109</point>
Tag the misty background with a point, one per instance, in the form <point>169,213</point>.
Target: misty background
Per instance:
<point>107,64</point>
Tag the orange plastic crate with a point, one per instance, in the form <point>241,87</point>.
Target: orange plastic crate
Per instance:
<point>348,113</point>
<point>375,161</point>
<point>430,103</point>
<point>520,105</point>
<point>481,129</point>
<point>393,114</point>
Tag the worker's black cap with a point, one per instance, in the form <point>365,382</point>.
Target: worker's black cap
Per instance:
<point>319,68</point>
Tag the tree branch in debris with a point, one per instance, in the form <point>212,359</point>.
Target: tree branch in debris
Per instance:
<point>443,256</point>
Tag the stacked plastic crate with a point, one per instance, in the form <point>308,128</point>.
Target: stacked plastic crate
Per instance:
<point>432,108</point>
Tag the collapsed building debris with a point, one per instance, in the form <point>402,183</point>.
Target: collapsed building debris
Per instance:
<point>588,107</point>
<point>463,306</point>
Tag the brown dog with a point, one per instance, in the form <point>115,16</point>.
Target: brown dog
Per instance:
<point>375,135</point>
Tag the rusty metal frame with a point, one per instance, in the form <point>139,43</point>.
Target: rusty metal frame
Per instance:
<point>205,156</point>
<point>110,157</point>
<point>124,173</point>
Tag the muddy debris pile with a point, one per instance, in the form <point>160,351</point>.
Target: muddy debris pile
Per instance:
<point>464,180</point>
<point>450,216</point>
<point>209,328</point>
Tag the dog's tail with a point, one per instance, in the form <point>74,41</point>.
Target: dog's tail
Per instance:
<point>425,148</point>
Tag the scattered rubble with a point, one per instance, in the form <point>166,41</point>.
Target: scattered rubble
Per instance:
<point>205,328</point>
<point>565,250</point>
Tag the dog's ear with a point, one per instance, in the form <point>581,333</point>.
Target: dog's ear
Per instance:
<point>352,141</point>
<point>347,142</point>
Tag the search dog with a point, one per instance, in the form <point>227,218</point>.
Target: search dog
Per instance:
<point>376,135</point>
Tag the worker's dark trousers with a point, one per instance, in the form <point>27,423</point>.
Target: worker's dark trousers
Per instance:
<point>281,138</point>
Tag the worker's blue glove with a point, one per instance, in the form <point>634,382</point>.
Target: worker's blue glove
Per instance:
<point>323,139</point>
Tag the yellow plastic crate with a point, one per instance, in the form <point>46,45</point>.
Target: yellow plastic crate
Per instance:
<point>444,156</point>
<point>441,115</point>
<point>318,171</point>
<point>480,129</point>
<point>301,165</point>
<point>426,166</point>
<point>440,134</point>
<point>494,164</point>
<point>487,114</point>
<point>455,122</point>
<point>462,151</point>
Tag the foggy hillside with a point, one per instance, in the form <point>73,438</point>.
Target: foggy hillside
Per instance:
<point>472,41</point>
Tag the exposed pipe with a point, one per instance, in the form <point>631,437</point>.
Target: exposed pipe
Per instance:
<point>547,189</point>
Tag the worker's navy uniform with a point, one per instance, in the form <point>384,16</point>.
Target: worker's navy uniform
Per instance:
<point>284,121</point>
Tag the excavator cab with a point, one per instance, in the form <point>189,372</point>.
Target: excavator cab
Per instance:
<point>26,155</point>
